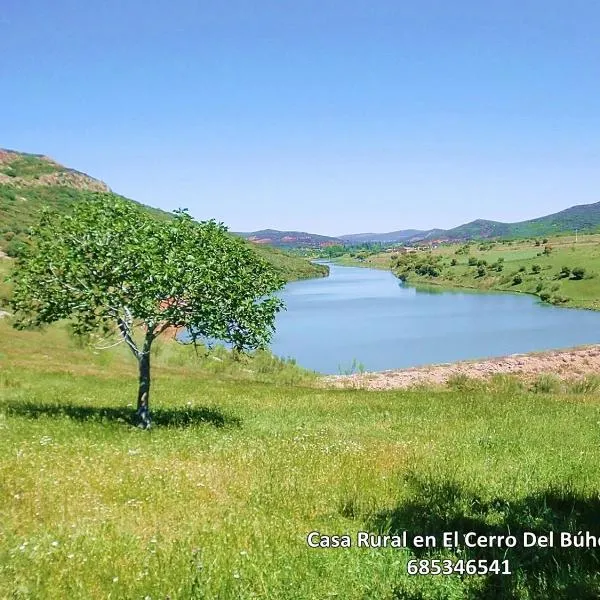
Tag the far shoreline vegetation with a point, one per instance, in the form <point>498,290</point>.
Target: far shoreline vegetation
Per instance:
<point>563,270</point>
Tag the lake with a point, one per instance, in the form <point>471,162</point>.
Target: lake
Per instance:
<point>369,316</point>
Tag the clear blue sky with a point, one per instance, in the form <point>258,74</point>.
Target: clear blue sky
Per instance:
<point>331,116</point>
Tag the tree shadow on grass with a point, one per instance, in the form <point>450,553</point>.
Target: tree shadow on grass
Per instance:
<point>537,573</point>
<point>178,417</point>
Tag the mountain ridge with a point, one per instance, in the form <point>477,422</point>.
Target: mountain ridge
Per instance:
<point>584,218</point>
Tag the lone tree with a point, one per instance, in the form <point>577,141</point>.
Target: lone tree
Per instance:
<point>113,268</point>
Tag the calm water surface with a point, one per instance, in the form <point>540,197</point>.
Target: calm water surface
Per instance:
<point>369,316</point>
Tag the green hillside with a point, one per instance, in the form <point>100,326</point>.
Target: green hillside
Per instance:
<point>29,182</point>
<point>583,218</point>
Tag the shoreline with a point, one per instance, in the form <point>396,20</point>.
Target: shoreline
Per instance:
<point>566,364</point>
<point>452,286</point>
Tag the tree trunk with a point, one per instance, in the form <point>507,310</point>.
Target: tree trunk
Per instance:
<point>143,400</point>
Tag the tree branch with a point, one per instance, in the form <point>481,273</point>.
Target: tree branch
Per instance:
<point>126,333</point>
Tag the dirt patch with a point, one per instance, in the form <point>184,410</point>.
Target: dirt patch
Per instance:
<point>566,364</point>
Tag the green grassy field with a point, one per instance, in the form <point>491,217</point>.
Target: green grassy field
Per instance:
<point>246,458</point>
<point>525,267</point>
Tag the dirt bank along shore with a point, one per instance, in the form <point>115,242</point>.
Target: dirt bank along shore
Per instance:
<point>567,364</point>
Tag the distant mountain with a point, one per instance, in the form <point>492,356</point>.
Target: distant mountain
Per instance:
<point>392,236</point>
<point>583,217</point>
<point>296,239</point>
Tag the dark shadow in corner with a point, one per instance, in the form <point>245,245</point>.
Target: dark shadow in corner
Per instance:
<point>537,573</point>
<point>181,417</point>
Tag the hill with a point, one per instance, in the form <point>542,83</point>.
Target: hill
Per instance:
<point>393,236</point>
<point>584,218</point>
<point>29,182</point>
<point>290,239</point>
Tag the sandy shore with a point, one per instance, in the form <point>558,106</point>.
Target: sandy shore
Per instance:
<point>571,363</point>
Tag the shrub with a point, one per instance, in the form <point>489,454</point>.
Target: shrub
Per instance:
<point>482,263</point>
<point>481,271</point>
<point>578,273</point>
<point>427,269</point>
<point>394,256</point>
<point>453,262</point>
<point>539,287</point>
<point>546,383</point>
<point>472,261</point>
<point>547,250</point>
<point>545,241</point>
<point>522,269</point>
<point>565,272</point>
<point>536,269</point>
<point>15,248</point>
<point>537,242</point>
<point>544,296</point>
<point>517,279</point>
<point>587,385</point>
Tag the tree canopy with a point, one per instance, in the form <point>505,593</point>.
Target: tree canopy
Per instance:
<point>109,266</point>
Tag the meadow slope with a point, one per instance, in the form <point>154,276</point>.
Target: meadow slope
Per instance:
<point>246,458</point>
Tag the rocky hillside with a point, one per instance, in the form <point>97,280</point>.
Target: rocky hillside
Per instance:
<point>289,239</point>
<point>29,182</point>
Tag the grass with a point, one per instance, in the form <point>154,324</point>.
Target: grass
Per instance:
<point>536,272</point>
<point>247,458</point>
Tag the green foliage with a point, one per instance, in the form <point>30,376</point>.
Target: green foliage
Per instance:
<point>427,269</point>
<point>112,268</point>
<point>578,272</point>
<point>332,251</point>
<point>481,271</point>
<point>517,279</point>
<point>453,262</point>
<point>546,383</point>
<point>565,272</point>
<point>110,261</point>
<point>472,261</point>
<point>536,269</point>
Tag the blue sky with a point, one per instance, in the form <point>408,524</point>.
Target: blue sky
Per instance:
<point>327,116</point>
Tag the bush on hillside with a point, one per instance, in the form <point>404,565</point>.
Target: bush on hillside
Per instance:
<point>578,273</point>
<point>564,272</point>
